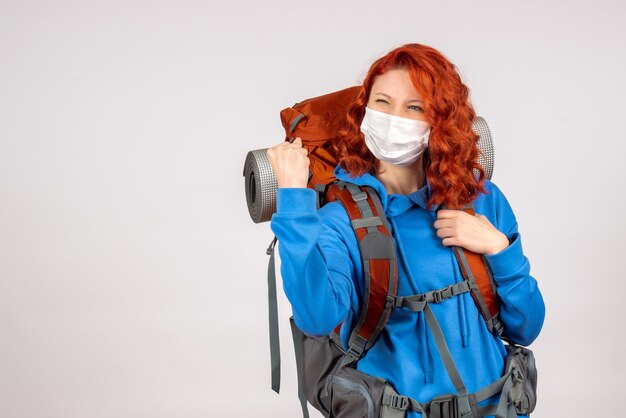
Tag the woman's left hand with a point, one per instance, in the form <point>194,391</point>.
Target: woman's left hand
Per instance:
<point>474,233</point>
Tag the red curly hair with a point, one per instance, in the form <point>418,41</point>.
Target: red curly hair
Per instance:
<point>452,152</point>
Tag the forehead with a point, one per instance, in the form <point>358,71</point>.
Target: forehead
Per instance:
<point>396,83</point>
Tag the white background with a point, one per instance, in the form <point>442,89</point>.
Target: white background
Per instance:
<point>132,279</point>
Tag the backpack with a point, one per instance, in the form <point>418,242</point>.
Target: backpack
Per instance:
<point>327,374</point>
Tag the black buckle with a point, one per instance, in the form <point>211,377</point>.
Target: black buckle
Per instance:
<point>445,406</point>
<point>399,402</point>
<point>497,324</point>
<point>354,353</point>
<point>270,249</point>
<point>442,294</point>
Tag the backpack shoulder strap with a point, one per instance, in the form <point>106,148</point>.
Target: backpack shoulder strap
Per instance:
<point>477,273</point>
<point>380,271</point>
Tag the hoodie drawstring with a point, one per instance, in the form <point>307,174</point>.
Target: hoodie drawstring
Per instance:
<point>461,307</point>
<point>464,324</point>
<point>427,355</point>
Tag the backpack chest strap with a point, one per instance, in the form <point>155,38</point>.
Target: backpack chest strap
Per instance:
<point>416,303</point>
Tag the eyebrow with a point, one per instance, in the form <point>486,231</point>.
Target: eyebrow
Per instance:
<point>388,96</point>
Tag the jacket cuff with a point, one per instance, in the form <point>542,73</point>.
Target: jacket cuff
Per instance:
<point>508,260</point>
<point>296,200</point>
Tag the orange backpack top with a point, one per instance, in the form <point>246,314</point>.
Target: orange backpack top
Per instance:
<point>316,121</point>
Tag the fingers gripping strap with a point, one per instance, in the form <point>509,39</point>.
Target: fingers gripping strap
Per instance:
<point>482,274</point>
<point>476,271</point>
<point>468,273</point>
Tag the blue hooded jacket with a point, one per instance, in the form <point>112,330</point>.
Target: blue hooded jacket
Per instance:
<point>323,279</point>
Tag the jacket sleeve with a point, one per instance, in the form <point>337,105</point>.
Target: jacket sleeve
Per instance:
<point>315,265</point>
<point>522,309</point>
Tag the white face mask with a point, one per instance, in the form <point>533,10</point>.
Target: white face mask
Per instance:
<point>393,138</point>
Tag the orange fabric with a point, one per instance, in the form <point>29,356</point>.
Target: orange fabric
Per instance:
<point>379,284</point>
<point>479,270</point>
<point>321,119</point>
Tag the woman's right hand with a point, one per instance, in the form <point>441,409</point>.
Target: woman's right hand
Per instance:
<point>290,163</point>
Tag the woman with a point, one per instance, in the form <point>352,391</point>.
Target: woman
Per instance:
<point>410,138</point>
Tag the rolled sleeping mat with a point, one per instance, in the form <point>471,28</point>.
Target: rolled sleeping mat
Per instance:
<point>261,184</point>
<point>485,146</point>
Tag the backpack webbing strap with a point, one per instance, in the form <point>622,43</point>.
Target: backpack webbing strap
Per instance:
<point>466,402</point>
<point>416,302</point>
<point>273,318</point>
<point>404,403</point>
<point>448,362</point>
<point>480,278</point>
<point>380,274</point>
<point>477,273</point>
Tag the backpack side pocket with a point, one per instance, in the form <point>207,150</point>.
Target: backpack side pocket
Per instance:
<point>357,394</point>
<point>523,393</point>
<point>319,359</point>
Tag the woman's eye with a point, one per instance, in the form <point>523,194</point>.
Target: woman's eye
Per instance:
<point>381,100</point>
<point>416,107</point>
